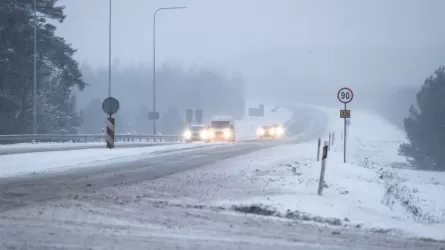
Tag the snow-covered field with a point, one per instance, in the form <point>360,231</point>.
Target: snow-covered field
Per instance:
<point>367,192</point>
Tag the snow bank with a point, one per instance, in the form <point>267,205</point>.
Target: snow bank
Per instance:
<point>369,136</point>
<point>367,192</point>
<point>65,144</point>
<point>54,161</point>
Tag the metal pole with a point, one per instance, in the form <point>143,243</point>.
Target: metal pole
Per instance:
<point>318,149</point>
<point>344,141</point>
<point>154,73</point>
<point>109,53</point>
<point>154,62</point>
<point>34,109</point>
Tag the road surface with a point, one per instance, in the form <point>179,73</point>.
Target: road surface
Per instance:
<point>83,209</point>
<point>16,149</point>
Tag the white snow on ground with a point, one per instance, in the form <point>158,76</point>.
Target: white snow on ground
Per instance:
<point>68,145</point>
<point>366,192</point>
<point>246,128</point>
<point>54,161</point>
<point>368,189</point>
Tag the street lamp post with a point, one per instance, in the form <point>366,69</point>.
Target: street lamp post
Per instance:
<point>34,108</point>
<point>109,53</point>
<point>154,62</point>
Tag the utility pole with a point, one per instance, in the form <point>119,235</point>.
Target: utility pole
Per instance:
<point>34,108</point>
<point>109,53</point>
<point>154,62</point>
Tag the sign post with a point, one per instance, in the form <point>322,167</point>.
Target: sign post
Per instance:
<point>318,149</point>
<point>153,116</point>
<point>110,106</point>
<point>199,116</point>
<point>345,96</point>
<point>189,116</point>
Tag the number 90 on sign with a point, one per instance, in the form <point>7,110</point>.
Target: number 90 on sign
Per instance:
<point>345,95</point>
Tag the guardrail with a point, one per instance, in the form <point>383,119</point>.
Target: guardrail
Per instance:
<point>84,138</point>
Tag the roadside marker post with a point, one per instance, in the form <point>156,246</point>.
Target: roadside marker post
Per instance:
<point>110,106</point>
<point>321,181</point>
<point>318,149</point>
<point>345,96</point>
<point>110,133</point>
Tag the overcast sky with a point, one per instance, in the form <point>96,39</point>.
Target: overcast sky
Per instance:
<point>286,42</point>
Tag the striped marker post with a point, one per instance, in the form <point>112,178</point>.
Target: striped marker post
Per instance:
<point>110,133</point>
<point>321,181</point>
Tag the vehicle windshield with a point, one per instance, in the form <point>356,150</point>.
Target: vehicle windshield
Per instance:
<point>272,126</point>
<point>220,124</point>
<point>196,128</point>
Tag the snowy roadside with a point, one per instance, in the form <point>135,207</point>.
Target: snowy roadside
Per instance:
<point>70,145</point>
<point>57,161</point>
<point>367,192</point>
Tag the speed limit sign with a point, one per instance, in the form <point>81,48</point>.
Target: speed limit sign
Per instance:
<point>345,95</point>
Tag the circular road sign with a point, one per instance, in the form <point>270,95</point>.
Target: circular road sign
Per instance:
<point>345,95</point>
<point>110,105</point>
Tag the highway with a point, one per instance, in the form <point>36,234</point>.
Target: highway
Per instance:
<point>72,146</point>
<point>84,209</point>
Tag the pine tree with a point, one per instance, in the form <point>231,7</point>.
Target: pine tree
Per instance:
<point>425,126</point>
<point>94,119</point>
<point>58,73</point>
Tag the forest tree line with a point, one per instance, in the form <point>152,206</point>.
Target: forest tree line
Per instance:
<point>60,82</point>
<point>178,89</point>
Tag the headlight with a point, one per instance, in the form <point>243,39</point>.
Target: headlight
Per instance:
<point>227,133</point>
<point>210,133</point>
<point>204,134</point>
<point>260,131</point>
<point>187,134</point>
<point>279,131</point>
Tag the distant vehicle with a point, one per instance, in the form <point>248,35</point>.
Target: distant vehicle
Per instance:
<point>271,131</point>
<point>222,129</point>
<point>196,132</point>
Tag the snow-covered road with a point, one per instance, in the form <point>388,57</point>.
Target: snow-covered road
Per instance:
<point>249,195</point>
<point>245,129</point>
<point>22,148</point>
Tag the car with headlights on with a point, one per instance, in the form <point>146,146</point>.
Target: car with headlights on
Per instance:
<point>221,130</point>
<point>196,132</point>
<point>271,131</point>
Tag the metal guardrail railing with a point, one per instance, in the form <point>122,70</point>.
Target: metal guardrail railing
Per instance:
<point>84,138</point>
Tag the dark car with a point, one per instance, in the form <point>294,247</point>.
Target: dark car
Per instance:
<point>270,131</point>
